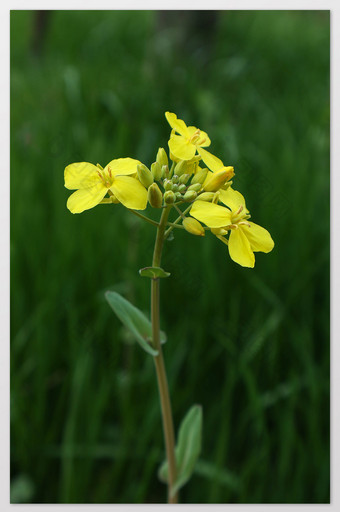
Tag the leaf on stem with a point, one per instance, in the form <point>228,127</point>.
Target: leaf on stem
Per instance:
<point>187,450</point>
<point>153,272</point>
<point>134,320</point>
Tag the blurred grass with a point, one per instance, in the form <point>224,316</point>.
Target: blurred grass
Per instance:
<point>252,346</point>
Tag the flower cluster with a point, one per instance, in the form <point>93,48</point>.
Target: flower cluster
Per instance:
<point>196,177</point>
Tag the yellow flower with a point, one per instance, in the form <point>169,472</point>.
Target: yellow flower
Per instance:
<point>190,138</point>
<point>218,175</point>
<point>245,237</point>
<point>93,183</point>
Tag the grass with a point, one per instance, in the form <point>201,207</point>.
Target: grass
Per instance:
<point>251,346</point>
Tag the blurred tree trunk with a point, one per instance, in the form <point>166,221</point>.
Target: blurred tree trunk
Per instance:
<point>41,21</point>
<point>195,29</point>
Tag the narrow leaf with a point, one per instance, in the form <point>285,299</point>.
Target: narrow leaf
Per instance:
<point>187,449</point>
<point>153,272</point>
<point>134,320</point>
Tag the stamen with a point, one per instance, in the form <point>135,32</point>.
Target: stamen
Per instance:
<point>243,223</point>
<point>109,171</point>
<point>195,136</point>
<point>239,210</point>
<point>101,177</point>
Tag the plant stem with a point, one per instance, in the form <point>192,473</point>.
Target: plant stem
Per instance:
<point>168,427</point>
<point>153,222</point>
<point>168,231</point>
<point>174,225</point>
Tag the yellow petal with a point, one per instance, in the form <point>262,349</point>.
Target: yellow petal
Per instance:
<point>259,238</point>
<point>210,160</point>
<point>181,148</point>
<point>239,249</point>
<point>130,192</point>
<point>86,198</point>
<point>177,124</point>
<point>213,215</point>
<point>122,166</point>
<point>233,199</point>
<point>80,175</point>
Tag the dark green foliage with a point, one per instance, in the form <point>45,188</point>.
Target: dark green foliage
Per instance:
<point>250,346</point>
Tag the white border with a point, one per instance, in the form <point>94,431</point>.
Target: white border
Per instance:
<point>4,229</point>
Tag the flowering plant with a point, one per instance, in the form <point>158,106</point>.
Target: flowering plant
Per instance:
<point>199,181</point>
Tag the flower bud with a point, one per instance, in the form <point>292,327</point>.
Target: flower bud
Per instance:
<point>155,196</point>
<point>200,176</point>
<point>231,171</point>
<point>165,171</point>
<point>196,187</point>
<point>182,188</point>
<point>180,168</point>
<point>193,226</point>
<point>179,196</point>
<point>190,195</point>
<point>162,158</point>
<point>184,178</point>
<point>111,199</point>
<point>156,170</point>
<point>175,178</point>
<point>216,180</point>
<point>114,199</point>
<point>169,197</point>
<point>206,196</point>
<point>144,175</point>
<point>167,184</point>
<point>175,187</point>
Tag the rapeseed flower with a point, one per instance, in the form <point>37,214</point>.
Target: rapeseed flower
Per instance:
<point>190,138</point>
<point>245,237</point>
<point>92,183</point>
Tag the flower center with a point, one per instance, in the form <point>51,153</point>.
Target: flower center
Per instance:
<point>194,138</point>
<point>239,218</point>
<point>106,177</point>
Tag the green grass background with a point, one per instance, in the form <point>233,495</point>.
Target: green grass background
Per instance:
<point>251,346</point>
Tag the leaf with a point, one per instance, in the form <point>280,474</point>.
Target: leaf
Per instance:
<point>222,476</point>
<point>187,450</point>
<point>134,320</point>
<point>153,272</point>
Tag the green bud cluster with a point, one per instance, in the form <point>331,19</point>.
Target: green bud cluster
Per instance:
<point>184,182</point>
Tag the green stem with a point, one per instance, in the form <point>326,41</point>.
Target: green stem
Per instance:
<point>174,225</point>
<point>168,427</point>
<point>168,231</point>
<point>153,222</point>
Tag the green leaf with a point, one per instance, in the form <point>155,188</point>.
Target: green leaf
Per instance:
<point>187,449</point>
<point>153,272</point>
<point>134,320</point>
